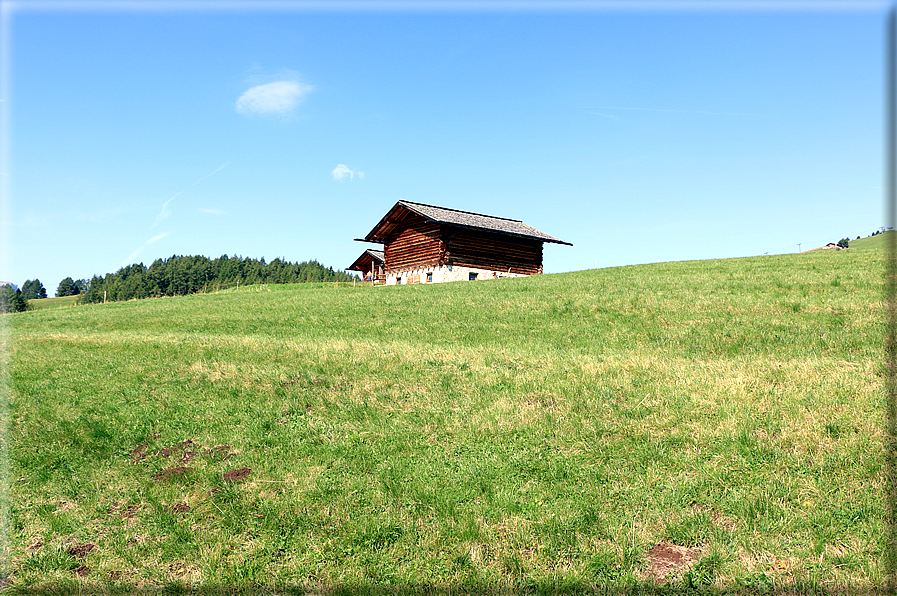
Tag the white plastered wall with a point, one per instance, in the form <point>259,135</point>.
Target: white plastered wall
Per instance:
<point>445,273</point>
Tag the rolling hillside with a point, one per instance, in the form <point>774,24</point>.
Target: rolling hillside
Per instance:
<point>564,431</point>
<point>55,302</point>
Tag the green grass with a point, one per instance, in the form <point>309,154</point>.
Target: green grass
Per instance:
<point>876,242</point>
<point>60,302</point>
<point>539,433</point>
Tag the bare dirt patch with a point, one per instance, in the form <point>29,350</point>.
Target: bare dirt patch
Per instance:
<point>170,473</point>
<point>224,451</point>
<point>670,561</point>
<point>181,447</point>
<point>138,453</point>
<point>82,571</point>
<point>80,551</point>
<point>180,508</point>
<point>237,475</point>
<point>186,451</point>
<point>127,512</point>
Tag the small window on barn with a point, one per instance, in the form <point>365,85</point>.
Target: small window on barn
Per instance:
<point>398,281</point>
<point>471,276</point>
<point>430,277</point>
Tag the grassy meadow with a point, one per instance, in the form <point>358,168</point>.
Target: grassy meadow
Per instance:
<point>54,302</point>
<point>541,433</point>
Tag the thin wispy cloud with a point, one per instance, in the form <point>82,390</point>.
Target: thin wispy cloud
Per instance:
<point>611,116</point>
<point>272,99</point>
<point>143,247</point>
<point>342,171</point>
<point>218,169</point>
<point>165,213</point>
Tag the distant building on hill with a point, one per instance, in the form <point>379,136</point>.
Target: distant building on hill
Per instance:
<point>829,246</point>
<point>429,244</point>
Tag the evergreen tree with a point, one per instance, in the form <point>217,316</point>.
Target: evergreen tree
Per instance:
<point>66,288</point>
<point>33,289</point>
<point>155,278</point>
<point>12,300</point>
<point>95,291</point>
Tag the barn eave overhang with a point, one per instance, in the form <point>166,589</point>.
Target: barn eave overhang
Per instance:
<point>383,230</point>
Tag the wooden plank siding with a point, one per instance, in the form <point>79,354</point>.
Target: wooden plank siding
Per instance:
<point>418,245</point>
<point>473,248</point>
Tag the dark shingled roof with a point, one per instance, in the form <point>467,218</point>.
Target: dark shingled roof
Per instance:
<point>465,219</point>
<point>375,255</point>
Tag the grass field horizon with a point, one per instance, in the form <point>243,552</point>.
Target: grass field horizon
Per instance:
<point>540,433</point>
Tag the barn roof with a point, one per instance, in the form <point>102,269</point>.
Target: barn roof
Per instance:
<point>365,260</point>
<point>454,217</point>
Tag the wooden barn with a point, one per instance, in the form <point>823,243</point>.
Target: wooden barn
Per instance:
<point>428,244</point>
<point>372,265</point>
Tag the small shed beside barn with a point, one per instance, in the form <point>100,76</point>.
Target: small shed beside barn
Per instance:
<point>429,244</point>
<point>372,265</point>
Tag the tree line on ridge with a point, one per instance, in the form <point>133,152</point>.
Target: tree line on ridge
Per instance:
<point>183,275</point>
<point>174,276</point>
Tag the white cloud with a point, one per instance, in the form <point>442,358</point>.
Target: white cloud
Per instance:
<point>221,167</point>
<point>166,212</point>
<point>343,171</point>
<point>133,256</point>
<point>279,97</point>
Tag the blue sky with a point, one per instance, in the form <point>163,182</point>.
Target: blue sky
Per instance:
<point>656,132</point>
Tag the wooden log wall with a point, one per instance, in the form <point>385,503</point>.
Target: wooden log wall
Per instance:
<point>417,245</point>
<point>499,252</point>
